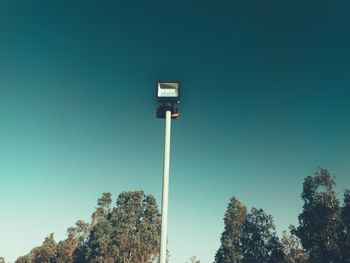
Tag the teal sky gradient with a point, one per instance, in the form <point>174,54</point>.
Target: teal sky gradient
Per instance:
<point>265,88</point>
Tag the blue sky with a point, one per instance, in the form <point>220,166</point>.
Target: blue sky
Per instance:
<point>265,102</point>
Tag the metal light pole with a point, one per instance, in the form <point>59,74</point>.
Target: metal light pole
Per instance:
<point>165,194</point>
<point>168,95</point>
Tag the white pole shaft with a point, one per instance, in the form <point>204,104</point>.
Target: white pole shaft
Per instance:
<point>165,194</point>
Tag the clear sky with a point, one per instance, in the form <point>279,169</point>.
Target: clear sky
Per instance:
<point>265,85</point>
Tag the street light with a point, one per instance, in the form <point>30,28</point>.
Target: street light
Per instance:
<point>168,95</point>
<point>168,91</point>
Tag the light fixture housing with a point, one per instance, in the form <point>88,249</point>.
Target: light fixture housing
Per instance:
<point>168,96</point>
<point>168,91</point>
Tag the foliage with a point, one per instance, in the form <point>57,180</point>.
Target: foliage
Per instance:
<point>292,248</point>
<point>76,235</point>
<point>24,259</point>
<point>128,233</point>
<point>248,237</point>
<point>345,237</point>
<point>260,242</point>
<point>46,253</point>
<point>103,209</point>
<point>320,223</point>
<point>230,250</point>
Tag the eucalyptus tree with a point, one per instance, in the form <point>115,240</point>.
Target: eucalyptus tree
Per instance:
<point>260,242</point>
<point>292,248</point>
<point>320,221</point>
<point>248,237</point>
<point>128,233</point>
<point>231,250</point>
<point>345,216</point>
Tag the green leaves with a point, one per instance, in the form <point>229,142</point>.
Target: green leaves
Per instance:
<point>345,237</point>
<point>231,249</point>
<point>248,237</point>
<point>292,248</point>
<point>46,253</point>
<point>129,232</point>
<point>320,223</point>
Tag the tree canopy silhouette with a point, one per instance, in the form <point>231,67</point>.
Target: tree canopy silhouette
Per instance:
<point>127,233</point>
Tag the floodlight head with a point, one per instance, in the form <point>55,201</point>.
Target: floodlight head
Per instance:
<point>168,95</point>
<point>168,91</point>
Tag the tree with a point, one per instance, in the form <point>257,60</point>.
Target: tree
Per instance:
<point>24,259</point>
<point>320,223</point>
<point>100,245</point>
<point>292,248</point>
<point>45,253</point>
<point>128,233</point>
<point>230,250</point>
<point>77,236</point>
<point>65,250</point>
<point>2,260</point>
<point>103,209</point>
<point>260,243</point>
<point>80,232</point>
<point>248,237</point>
<point>345,237</point>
